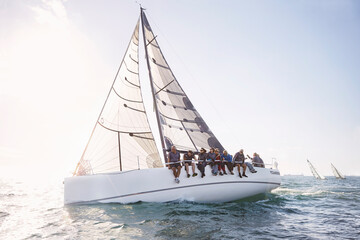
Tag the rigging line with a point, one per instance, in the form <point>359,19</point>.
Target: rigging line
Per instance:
<point>149,42</point>
<point>134,101</point>
<point>136,28</point>
<point>164,86</point>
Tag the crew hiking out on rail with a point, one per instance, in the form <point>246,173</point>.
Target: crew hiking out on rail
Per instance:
<point>215,159</point>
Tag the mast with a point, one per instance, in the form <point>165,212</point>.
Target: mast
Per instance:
<point>152,86</point>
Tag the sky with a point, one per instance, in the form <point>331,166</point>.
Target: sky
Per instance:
<point>281,78</point>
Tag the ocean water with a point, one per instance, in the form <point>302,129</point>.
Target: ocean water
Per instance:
<point>302,208</point>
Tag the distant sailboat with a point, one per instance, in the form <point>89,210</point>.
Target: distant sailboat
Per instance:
<point>314,172</point>
<point>336,172</point>
<point>121,162</point>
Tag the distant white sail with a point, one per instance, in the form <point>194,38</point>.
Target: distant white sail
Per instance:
<point>337,173</point>
<point>314,172</point>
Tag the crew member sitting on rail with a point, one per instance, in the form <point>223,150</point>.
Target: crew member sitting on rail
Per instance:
<point>174,163</point>
<point>257,161</point>
<point>239,161</point>
<point>227,159</point>
<point>221,166</point>
<point>202,161</point>
<point>188,161</point>
<point>211,158</point>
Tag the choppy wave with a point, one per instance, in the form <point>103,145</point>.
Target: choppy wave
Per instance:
<point>301,208</point>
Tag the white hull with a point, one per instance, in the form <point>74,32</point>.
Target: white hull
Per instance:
<point>158,185</point>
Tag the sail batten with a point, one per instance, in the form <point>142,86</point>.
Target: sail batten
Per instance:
<point>122,138</point>
<point>180,123</point>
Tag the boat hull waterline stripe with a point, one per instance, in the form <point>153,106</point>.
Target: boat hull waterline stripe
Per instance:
<point>169,189</point>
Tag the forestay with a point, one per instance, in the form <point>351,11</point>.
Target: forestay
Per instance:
<point>122,138</point>
<point>181,125</point>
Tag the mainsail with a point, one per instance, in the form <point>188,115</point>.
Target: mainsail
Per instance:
<point>336,172</point>
<point>179,122</point>
<point>314,172</point>
<point>122,138</point>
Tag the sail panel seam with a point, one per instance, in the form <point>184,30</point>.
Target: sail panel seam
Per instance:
<point>113,130</point>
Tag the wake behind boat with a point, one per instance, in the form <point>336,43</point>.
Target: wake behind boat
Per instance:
<point>121,162</point>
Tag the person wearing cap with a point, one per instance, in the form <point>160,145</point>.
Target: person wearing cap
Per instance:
<point>188,161</point>
<point>227,160</point>
<point>202,161</point>
<point>239,161</point>
<point>174,163</point>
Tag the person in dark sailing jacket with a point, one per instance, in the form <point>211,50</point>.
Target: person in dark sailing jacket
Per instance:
<point>239,161</point>
<point>174,163</point>
<point>188,161</point>
<point>202,161</point>
<point>257,161</point>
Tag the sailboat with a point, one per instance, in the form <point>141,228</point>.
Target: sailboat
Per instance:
<point>314,172</point>
<point>121,162</point>
<point>336,172</point>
